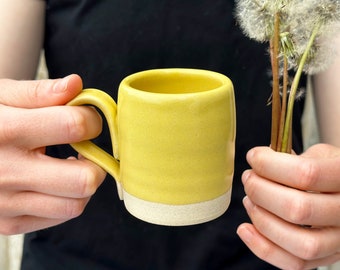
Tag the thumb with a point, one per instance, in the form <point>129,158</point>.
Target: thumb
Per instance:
<point>39,93</point>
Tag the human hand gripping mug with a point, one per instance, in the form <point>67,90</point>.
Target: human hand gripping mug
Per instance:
<point>173,139</point>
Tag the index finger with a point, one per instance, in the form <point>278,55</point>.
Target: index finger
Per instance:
<point>39,93</point>
<point>313,172</point>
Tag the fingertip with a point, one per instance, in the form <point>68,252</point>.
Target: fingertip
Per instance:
<point>75,85</point>
<point>245,232</point>
<point>245,176</point>
<point>250,155</point>
<point>70,83</point>
<point>258,151</point>
<point>75,82</point>
<point>67,88</point>
<point>60,85</point>
<point>248,204</point>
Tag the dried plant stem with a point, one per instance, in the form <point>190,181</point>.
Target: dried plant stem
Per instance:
<point>276,102</point>
<point>283,102</point>
<point>293,29</point>
<point>286,144</point>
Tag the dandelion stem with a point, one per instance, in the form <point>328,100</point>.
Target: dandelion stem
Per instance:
<point>283,102</point>
<point>286,144</point>
<point>276,103</point>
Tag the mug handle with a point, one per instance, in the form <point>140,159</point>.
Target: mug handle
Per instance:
<point>88,149</point>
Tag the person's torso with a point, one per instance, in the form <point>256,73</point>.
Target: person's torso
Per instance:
<point>104,41</point>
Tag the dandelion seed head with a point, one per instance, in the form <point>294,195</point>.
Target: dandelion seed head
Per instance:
<point>256,17</point>
<point>323,52</point>
<point>298,20</point>
<point>303,17</point>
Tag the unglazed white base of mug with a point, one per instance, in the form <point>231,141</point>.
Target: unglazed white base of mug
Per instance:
<point>177,215</point>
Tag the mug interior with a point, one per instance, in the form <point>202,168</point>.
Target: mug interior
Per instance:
<point>176,82</point>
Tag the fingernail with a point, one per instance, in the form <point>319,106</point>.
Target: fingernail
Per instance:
<point>250,155</point>
<point>61,85</point>
<point>245,234</point>
<point>248,204</point>
<point>245,176</point>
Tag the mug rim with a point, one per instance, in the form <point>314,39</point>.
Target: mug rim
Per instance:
<point>218,77</point>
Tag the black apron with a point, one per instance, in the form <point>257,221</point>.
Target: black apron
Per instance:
<point>105,40</point>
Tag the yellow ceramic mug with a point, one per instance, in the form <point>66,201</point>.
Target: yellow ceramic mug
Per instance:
<point>173,137</point>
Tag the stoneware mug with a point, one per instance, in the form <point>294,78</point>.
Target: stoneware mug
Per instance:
<point>173,140</point>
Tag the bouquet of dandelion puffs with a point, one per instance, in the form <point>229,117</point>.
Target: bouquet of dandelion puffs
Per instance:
<point>299,34</point>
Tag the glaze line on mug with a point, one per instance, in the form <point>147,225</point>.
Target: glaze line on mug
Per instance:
<point>177,215</point>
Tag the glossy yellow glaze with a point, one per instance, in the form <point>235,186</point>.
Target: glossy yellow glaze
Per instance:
<point>173,133</point>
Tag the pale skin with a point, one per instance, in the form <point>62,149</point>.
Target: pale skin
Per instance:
<point>35,193</point>
<point>276,198</point>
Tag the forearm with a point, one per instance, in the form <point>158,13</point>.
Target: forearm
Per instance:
<point>327,100</point>
<point>21,29</point>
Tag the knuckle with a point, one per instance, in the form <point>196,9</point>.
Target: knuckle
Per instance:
<point>33,92</point>
<point>297,264</point>
<point>9,128</point>
<point>309,174</point>
<point>7,133</point>
<point>76,125</point>
<point>74,208</point>
<point>87,182</point>
<point>311,248</point>
<point>265,252</point>
<point>299,210</point>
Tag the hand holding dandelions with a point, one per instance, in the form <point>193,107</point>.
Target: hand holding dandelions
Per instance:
<point>299,34</point>
<point>37,191</point>
<point>278,205</point>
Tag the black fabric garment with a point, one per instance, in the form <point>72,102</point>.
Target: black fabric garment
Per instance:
<point>104,41</point>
